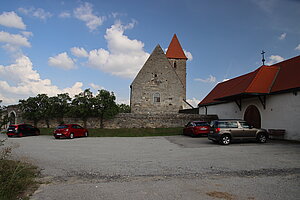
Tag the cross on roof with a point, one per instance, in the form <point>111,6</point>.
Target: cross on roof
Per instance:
<point>263,57</point>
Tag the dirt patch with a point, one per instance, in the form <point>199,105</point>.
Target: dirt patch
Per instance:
<point>221,195</point>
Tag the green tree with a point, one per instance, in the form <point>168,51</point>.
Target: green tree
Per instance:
<point>60,106</point>
<point>124,108</point>
<point>105,106</point>
<point>82,106</point>
<point>36,108</point>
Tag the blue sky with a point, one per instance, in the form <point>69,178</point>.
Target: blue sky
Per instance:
<point>54,46</point>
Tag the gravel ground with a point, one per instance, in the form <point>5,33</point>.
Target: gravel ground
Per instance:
<point>174,167</point>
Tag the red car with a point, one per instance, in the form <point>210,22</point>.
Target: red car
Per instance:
<point>70,131</point>
<point>196,128</point>
<point>20,130</point>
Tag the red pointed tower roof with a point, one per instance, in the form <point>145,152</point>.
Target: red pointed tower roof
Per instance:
<point>175,49</point>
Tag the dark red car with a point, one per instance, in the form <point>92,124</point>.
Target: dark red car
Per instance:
<point>196,128</point>
<point>20,130</point>
<point>70,131</point>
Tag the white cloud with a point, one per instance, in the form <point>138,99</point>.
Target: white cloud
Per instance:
<point>96,87</point>
<point>65,14</point>
<point>120,100</point>
<point>19,81</point>
<point>210,79</point>
<point>274,59</point>
<point>188,55</point>
<point>298,47</point>
<point>194,102</point>
<point>36,12</point>
<point>85,13</point>
<point>27,34</point>
<point>124,56</point>
<point>11,19</point>
<point>79,52</point>
<point>62,60</point>
<point>266,5</point>
<point>14,39</point>
<point>282,36</point>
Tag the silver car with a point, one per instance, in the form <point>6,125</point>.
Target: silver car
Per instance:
<point>224,131</point>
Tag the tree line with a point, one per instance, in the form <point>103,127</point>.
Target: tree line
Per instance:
<point>84,106</point>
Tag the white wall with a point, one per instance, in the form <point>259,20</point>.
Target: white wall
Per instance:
<point>282,112</point>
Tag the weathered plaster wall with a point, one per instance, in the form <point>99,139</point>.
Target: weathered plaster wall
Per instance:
<point>282,112</point>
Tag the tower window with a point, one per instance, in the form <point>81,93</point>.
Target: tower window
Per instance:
<point>156,98</point>
<point>175,64</point>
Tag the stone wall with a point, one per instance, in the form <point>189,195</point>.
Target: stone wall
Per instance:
<point>157,78</point>
<point>130,120</point>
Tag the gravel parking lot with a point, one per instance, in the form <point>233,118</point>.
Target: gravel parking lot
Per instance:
<point>174,167</point>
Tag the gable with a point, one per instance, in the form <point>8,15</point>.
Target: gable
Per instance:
<point>156,65</point>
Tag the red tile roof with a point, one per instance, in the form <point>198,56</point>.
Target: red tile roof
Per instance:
<point>175,49</point>
<point>264,80</point>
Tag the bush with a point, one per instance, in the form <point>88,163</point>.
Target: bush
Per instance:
<point>15,177</point>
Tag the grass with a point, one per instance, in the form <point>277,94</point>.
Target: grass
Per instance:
<point>17,179</point>
<point>125,132</point>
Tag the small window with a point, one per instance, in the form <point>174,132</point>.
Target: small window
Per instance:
<point>175,64</point>
<point>245,125</point>
<point>156,98</point>
<point>232,125</point>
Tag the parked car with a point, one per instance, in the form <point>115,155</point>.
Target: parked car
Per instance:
<point>20,130</point>
<point>224,131</point>
<point>196,128</point>
<point>70,131</point>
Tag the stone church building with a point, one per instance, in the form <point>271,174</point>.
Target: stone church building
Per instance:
<point>160,85</point>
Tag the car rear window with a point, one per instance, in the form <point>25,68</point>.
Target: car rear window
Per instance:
<point>12,126</point>
<point>227,124</point>
<point>201,124</point>
<point>62,127</point>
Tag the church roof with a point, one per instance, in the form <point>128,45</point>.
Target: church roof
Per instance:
<point>175,49</point>
<point>279,77</point>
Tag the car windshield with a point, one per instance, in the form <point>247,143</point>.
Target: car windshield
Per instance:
<point>62,127</point>
<point>201,124</point>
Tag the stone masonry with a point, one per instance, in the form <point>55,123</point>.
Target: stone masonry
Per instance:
<point>160,86</point>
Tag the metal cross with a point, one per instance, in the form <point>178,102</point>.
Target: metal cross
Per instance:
<point>263,57</point>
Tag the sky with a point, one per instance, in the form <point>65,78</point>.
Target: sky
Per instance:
<point>59,46</point>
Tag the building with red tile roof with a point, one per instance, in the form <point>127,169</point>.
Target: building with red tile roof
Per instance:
<point>270,92</point>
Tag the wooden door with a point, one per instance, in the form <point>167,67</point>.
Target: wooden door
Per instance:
<point>252,116</point>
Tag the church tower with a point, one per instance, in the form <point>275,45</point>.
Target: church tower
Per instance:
<point>160,85</point>
<point>177,59</point>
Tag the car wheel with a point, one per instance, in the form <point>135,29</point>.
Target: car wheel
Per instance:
<point>86,134</point>
<point>71,135</point>
<point>225,139</point>
<point>56,137</point>
<point>262,138</point>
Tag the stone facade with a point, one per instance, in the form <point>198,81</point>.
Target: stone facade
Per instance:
<point>158,88</point>
<point>130,120</point>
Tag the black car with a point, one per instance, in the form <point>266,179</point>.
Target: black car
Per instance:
<point>22,130</point>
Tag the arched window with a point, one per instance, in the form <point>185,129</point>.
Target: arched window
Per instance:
<point>12,118</point>
<point>156,98</point>
<point>175,64</point>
